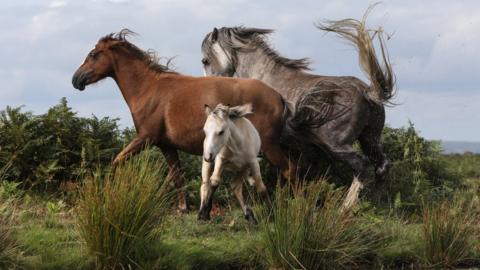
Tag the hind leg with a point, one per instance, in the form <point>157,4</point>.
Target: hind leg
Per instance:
<point>372,147</point>
<point>370,142</point>
<point>277,158</point>
<point>358,163</point>
<point>237,188</point>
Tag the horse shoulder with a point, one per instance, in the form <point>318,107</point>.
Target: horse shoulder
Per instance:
<point>251,136</point>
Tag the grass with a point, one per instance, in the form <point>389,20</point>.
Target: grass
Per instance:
<point>121,211</point>
<point>8,201</point>
<point>308,232</point>
<point>8,244</point>
<point>311,231</point>
<point>449,233</point>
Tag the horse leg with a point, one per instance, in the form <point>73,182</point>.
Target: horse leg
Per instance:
<point>370,142</point>
<point>257,178</point>
<point>237,188</point>
<point>205,191</point>
<point>277,158</point>
<point>211,185</point>
<point>358,163</point>
<point>175,174</point>
<point>135,146</point>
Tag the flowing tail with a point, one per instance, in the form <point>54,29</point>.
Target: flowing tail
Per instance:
<point>354,31</point>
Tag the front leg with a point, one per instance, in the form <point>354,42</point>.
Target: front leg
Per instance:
<point>211,185</point>
<point>175,174</point>
<point>135,146</point>
<point>205,191</point>
<point>217,172</point>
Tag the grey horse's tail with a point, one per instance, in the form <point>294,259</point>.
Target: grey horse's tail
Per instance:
<point>381,77</point>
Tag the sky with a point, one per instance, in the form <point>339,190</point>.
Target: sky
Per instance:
<point>434,49</point>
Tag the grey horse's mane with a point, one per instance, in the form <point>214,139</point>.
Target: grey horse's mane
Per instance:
<point>243,39</point>
<point>150,57</point>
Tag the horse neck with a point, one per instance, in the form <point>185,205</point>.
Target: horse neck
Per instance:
<point>258,65</point>
<point>132,77</point>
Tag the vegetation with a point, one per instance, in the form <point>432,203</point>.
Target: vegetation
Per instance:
<point>426,214</point>
<point>449,234</point>
<point>311,231</point>
<point>57,146</point>
<point>120,212</point>
<point>8,244</point>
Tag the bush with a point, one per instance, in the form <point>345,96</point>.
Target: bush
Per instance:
<point>311,231</point>
<point>449,234</point>
<point>120,211</point>
<point>418,171</point>
<point>55,146</point>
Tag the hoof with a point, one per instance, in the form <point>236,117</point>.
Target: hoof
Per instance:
<point>203,216</point>
<point>250,217</point>
<point>183,208</point>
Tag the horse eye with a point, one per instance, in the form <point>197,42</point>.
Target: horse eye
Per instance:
<point>205,61</point>
<point>93,54</point>
<point>220,133</point>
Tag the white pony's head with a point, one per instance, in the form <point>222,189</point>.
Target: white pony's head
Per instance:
<point>218,127</point>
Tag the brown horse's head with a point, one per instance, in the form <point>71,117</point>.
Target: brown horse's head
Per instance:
<point>99,62</point>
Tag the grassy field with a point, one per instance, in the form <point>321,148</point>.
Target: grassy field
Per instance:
<point>48,238</point>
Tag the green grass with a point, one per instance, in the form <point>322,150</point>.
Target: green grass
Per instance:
<point>226,242</point>
<point>55,244</point>
<point>121,212</point>
<point>311,231</point>
<point>449,233</point>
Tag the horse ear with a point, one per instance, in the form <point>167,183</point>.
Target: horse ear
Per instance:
<point>214,34</point>
<point>208,110</point>
<point>240,111</point>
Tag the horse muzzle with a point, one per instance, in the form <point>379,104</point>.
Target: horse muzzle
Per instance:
<point>80,79</point>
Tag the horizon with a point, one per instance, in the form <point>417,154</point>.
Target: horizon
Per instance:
<point>435,64</point>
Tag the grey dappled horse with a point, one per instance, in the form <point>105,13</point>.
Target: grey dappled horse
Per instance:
<point>354,110</point>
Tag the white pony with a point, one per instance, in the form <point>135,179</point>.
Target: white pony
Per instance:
<point>232,143</point>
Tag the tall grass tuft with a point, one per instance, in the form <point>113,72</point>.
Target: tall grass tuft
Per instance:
<point>311,231</point>
<point>449,234</point>
<point>121,211</point>
<point>8,206</point>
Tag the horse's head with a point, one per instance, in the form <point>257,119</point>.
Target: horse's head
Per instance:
<point>99,62</point>
<point>218,127</point>
<point>217,58</point>
<point>221,46</point>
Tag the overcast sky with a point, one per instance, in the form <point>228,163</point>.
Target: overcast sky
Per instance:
<point>435,50</point>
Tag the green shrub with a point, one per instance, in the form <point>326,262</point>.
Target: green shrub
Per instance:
<point>449,234</point>
<point>311,231</point>
<point>120,211</point>
<point>418,171</point>
<point>467,164</point>
<point>56,146</point>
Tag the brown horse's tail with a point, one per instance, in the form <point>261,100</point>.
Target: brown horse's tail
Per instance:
<point>382,78</point>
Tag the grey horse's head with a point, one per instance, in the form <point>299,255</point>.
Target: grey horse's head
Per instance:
<point>220,48</point>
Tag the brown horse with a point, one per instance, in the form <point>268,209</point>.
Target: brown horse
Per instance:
<point>168,108</point>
